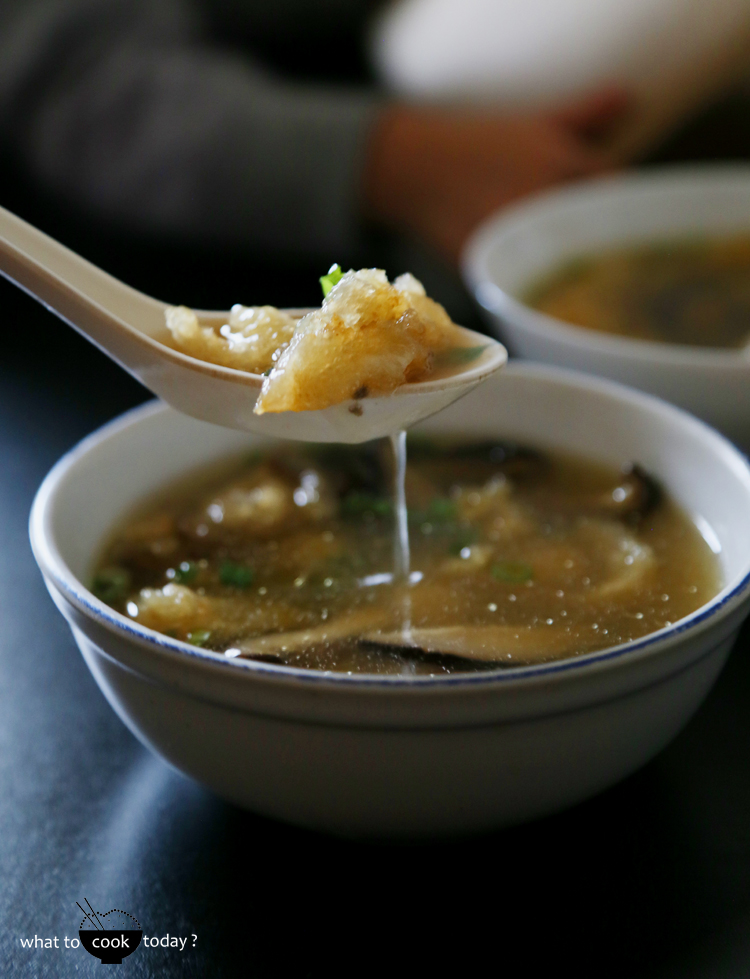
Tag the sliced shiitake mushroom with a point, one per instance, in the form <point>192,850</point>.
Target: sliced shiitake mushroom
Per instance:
<point>277,645</point>
<point>635,496</point>
<point>353,468</point>
<point>505,645</point>
<point>477,460</point>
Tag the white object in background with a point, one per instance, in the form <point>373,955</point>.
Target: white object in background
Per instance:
<point>671,54</point>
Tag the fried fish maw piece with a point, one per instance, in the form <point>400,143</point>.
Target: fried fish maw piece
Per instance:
<point>368,338</point>
<point>179,610</point>
<point>251,339</point>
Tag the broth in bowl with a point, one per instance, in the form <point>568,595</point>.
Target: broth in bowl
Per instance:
<point>517,556</point>
<point>694,292</point>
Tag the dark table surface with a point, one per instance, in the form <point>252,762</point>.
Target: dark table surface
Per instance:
<point>651,878</point>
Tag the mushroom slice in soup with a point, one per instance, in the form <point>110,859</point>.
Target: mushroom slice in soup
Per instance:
<point>628,561</point>
<point>634,496</point>
<point>483,643</point>
<point>494,507</point>
<point>343,627</point>
<point>469,460</point>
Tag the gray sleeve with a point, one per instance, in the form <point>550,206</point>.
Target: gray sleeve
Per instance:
<point>121,107</point>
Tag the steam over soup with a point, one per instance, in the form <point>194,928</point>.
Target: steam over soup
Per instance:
<point>693,292</point>
<point>517,556</point>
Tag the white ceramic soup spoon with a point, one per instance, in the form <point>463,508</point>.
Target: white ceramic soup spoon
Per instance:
<point>130,327</point>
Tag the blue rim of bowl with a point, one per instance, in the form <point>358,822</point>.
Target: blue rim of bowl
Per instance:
<point>117,622</point>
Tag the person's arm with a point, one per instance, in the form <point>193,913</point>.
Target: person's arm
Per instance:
<point>122,108</point>
<point>437,172</point>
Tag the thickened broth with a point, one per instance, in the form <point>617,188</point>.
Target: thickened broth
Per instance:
<point>690,292</point>
<point>517,556</point>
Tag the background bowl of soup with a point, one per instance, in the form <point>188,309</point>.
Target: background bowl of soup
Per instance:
<point>662,254</point>
<point>406,755</point>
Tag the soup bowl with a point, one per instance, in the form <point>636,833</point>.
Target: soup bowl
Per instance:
<point>520,246</point>
<point>405,756</point>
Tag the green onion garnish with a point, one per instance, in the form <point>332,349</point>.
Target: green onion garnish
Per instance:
<point>185,573</point>
<point>327,282</point>
<point>236,575</point>
<point>111,585</point>
<point>358,502</point>
<point>199,638</point>
<point>464,539</point>
<point>441,510</point>
<point>512,572</point>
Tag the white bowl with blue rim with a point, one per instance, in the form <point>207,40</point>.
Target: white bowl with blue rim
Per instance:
<point>406,756</point>
<point>521,245</point>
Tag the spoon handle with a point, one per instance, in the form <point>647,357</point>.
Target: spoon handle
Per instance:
<point>87,298</point>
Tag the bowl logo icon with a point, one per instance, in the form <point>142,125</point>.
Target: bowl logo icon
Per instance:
<point>109,936</point>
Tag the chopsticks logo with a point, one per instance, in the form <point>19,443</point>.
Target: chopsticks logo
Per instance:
<point>111,936</point>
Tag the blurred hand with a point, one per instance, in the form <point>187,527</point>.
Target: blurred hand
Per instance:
<point>438,172</point>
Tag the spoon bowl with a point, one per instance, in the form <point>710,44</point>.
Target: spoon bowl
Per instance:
<point>129,326</point>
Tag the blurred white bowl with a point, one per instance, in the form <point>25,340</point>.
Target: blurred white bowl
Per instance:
<point>405,756</point>
<point>515,249</point>
<point>672,56</point>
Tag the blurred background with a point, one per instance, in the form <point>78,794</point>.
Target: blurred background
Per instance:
<point>220,151</point>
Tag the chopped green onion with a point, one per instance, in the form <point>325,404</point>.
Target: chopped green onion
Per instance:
<point>236,575</point>
<point>199,638</point>
<point>186,573</point>
<point>358,502</point>
<point>327,282</point>
<point>463,540</point>
<point>111,585</point>
<point>512,572</point>
<point>441,510</point>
